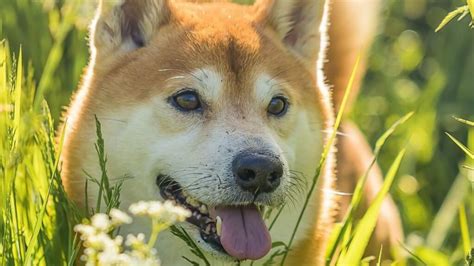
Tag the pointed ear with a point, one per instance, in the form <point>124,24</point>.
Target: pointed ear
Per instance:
<point>297,24</point>
<point>125,25</point>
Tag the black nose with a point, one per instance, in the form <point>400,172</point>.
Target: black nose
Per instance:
<point>257,172</point>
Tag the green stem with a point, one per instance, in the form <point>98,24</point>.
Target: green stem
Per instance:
<point>157,227</point>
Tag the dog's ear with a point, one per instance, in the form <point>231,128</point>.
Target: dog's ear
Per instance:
<point>125,25</point>
<point>296,23</point>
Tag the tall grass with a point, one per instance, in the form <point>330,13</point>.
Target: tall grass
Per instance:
<point>36,215</point>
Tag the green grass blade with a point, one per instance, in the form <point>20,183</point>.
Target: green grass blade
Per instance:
<point>358,191</point>
<point>381,141</point>
<point>379,260</point>
<point>37,227</point>
<point>451,15</point>
<point>53,61</point>
<point>464,121</point>
<point>413,255</point>
<point>40,217</point>
<point>446,215</point>
<point>470,4</point>
<point>18,91</point>
<point>183,235</point>
<point>357,197</point>
<point>463,224</point>
<point>3,68</point>
<point>367,224</point>
<point>465,149</point>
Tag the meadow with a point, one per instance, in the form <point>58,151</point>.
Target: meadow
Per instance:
<point>412,70</point>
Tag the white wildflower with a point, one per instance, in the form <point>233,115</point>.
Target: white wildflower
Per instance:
<point>100,248</point>
<point>155,209</point>
<point>175,213</point>
<point>101,222</point>
<point>144,262</point>
<point>110,257</point>
<point>167,213</point>
<point>140,208</point>
<point>102,241</point>
<point>138,245</point>
<point>133,240</point>
<point>119,217</point>
<point>85,230</point>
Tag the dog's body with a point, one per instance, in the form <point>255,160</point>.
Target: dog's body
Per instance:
<point>199,94</point>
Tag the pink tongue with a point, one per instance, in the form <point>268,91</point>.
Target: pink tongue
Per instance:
<point>244,233</point>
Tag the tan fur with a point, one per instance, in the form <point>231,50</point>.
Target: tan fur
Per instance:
<point>280,39</point>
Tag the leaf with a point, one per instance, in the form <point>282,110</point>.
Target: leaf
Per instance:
<point>278,244</point>
<point>432,256</point>
<point>451,15</point>
<point>367,224</point>
<point>413,255</point>
<point>183,235</point>
<point>464,121</point>
<point>460,145</point>
<point>379,260</point>
<point>273,256</point>
<point>18,90</point>
<point>470,4</point>
<point>190,261</point>
<point>37,226</point>
<point>463,224</point>
<point>381,141</point>
<point>3,67</point>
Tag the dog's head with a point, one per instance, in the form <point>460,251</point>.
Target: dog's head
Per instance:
<point>214,105</point>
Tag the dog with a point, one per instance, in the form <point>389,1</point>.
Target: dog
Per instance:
<point>225,109</point>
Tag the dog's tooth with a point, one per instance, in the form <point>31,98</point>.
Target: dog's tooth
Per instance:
<point>168,194</point>
<point>192,201</point>
<point>203,209</point>
<point>207,230</point>
<point>218,225</point>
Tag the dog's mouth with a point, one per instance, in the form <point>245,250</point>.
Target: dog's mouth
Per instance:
<point>238,231</point>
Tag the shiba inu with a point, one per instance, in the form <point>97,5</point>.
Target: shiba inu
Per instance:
<point>220,107</point>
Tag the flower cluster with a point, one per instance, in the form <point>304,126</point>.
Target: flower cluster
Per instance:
<point>101,248</point>
<point>167,212</point>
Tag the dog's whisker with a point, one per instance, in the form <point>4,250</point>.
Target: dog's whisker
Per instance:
<point>338,133</point>
<point>112,119</point>
<point>335,192</point>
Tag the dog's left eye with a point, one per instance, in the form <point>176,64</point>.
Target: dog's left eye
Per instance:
<point>186,100</point>
<point>278,106</point>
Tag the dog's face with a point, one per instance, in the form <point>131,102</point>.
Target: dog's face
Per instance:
<point>214,106</point>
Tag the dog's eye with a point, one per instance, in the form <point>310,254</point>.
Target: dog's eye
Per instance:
<point>186,100</point>
<point>277,106</point>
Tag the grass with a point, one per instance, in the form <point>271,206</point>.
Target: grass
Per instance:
<point>343,235</point>
<point>36,217</point>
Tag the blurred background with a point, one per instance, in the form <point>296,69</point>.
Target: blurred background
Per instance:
<point>411,68</point>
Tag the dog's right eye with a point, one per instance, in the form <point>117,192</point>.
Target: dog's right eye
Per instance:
<point>186,100</point>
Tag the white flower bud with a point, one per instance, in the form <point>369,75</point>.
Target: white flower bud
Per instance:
<point>119,217</point>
